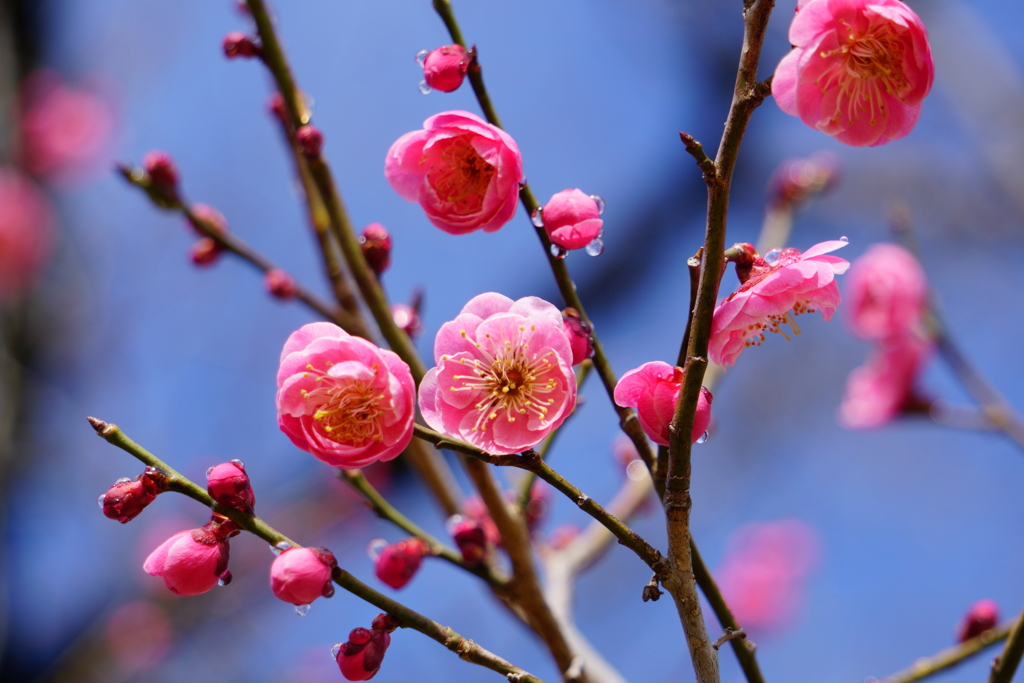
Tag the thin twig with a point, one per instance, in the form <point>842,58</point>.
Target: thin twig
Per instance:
<point>951,656</point>
<point>406,617</point>
<point>1008,660</point>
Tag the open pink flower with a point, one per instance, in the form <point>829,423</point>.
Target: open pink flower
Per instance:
<point>572,219</point>
<point>882,388</point>
<point>773,294</point>
<point>504,376</point>
<point>859,69</point>
<point>26,232</point>
<point>653,389</point>
<point>190,562</point>
<point>463,171</point>
<point>342,399</point>
<point>886,293</point>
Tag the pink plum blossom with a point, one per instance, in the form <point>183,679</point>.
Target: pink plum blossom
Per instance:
<point>301,575</point>
<point>773,294</point>
<point>764,571</point>
<point>504,376</point>
<point>26,232</point>
<point>859,69</point>
<point>191,562</point>
<point>653,389</point>
<point>572,219</point>
<point>445,68</point>
<point>342,399</point>
<point>463,171</point>
<point>886,293</point>
<point>883,387</point>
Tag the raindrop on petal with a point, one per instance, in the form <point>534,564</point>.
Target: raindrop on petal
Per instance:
<point>103,497</point>
<point>772,257</point>
<point>208,470</point>
<point>224,579</point>
<point>424,88</point>
<point>238,462</point>
<point>302,610</point>
<point>537,217</point>
<point>599,200</point>
<point>595,248</point>
<point>421,57</point>
<point>844,239</point>
<point>375,547</point>
<point>557,251</point>
<point>703,438</point>
<point>122,480</point>
<point>336,650</point>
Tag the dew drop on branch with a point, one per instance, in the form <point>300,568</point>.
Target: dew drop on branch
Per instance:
<point>537,217</point>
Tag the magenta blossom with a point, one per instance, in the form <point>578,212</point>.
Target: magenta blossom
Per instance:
<point>773,294</point>
<point>463,171</point>
<point>886,293</point>
<point>342,399</point>
<point>859,69</point>
<point>190,562</point>
<point>504,376</point>
<point>572,219</point>
<point>653,389</point>
<point>882,388</point>
<point>26,232</point>
<point>445,68</point>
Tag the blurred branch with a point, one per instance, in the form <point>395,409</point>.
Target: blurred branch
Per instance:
<point>407,618</point>
<point>1008,660</point>
<point>951,656</point>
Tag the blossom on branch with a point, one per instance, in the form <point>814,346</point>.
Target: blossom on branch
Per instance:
<point>301,575</point>
<point>26,232</point>
<point>342,399</point>
<point>882,388</point>
<point>463,171</point>
<point>445,68</point>
<point>504,377</point>
<point>859,69</point>
<point>571,218</point>
<point>776,290</point>
<point>653,389</point>
<point>886,293</point>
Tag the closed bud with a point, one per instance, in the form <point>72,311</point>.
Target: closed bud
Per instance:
<point>361,656</point>
<point>572,218</point>
<point>471,541</point>
<point>191,562</point>
<point>280,283</point>
<point>980,617</point>
<point>399,562</point>
<point>204,217</point>
<point>445,68</point>
<point>237,44</point>
<point>311,140</point>
<point>275,105</point>
<point>301,575</point>
<point>229,485</point>
<point>163,174</point>
<point>126,499</point>
<point>205,252</point>
<point>376,245</point>
<point>580,333</point>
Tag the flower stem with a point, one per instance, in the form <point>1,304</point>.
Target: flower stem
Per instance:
<point>406,617</point>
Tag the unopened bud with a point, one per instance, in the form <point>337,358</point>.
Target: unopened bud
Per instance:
<point>361,656</point>
<point>980,617</point>
<point>376,245</point>
<point>471,541</point>
<point>204,217</point>
<point>399,562</point>
<point>126,499</point>
<point>445,68</point>
<point>205,252</point>
<point>229,485</point>
<point>301,575</point>
<point>191,562</point>
<point>275,105</point>
<point>384,622</point>
<point>580,333</point>
<point>163,174</point>
<point>311,140</point>
<point>237,44</point>
<point>280,283</point>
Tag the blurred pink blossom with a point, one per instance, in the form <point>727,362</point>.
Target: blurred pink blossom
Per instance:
<point>886,293</point>
<point>463,171</point>
<point>765,569</point>
<point>980,617</point>
<point>774,293</point>
<point>26,232</point>
<point>139,635</point>
<point>504,376</point>
<point>653,389</point>
<point>883,387</point>
<point>859,69</point>
<point>398,563</point>
<point>342,399</point>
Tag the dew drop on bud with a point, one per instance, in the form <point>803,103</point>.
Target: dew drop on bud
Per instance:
<point>280,547</point>
<point>424,88</point>
<point>208,470</point>
<point>449,524</point>
<point>224,579</point>
<point>122,480</point>
<point>557,251</point>
<point>772,257</point>
<point>103,497</point>
<point>596,247</point>
<point>703,438</point>
<point>238,462</point>
<point>421,57</point>
<point>537,217</point>
<point>599,200</point>
<point>302,610</point>
<point>375,547</point>
<point>336,650</point>
<point>844,239</point>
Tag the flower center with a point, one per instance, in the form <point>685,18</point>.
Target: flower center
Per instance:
<point>754,334</point>
<point>348,410</point>
<point>460,176</point>
<point>866,68</point>
<point>512,382</point>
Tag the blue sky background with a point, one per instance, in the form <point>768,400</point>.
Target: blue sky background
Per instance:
<point>916,521</point>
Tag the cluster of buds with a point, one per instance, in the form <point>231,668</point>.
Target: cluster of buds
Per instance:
<point>360,657</point>
<point>203,220</point>
<point>397,563</point>
<point>127,498</point>
<point>444,68</point>
<point>980,617</point>
<point>376,245</point>
<point>301,575</point>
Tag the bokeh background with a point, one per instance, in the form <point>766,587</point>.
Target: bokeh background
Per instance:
<point>914,521</point>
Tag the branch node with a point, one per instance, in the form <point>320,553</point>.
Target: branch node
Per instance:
<point>102,428</point>
<point>730,635</point>
<point>575,669</point>
<point>651,591</point>
<point>696,150</point>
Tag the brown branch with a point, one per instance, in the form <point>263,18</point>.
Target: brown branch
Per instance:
<point>1008,660</point>
<point>951,656</point>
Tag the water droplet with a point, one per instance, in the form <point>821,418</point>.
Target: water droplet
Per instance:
<point>537,217</point>
<point>310,107</point>
<point>302,610</point>
<point>772,257</point>
<point>375,547</point>
<point>844,239</point>
<point>421,57</point>
<point>449,524</point>
<point>224,579</point>
<point>582,500</point>
<point>122,480</point>
<point>208,470</point>
<point>424,88</point>
<point>328,591</point>
<point>595,248</point>
<point>703,438</point>
<point>637,470</point>
<point>279,547</point>
<point>102,498</point>
<point>557,251</point>
<point>336,650</point>
<point>238,462</point>
<point>599,200</point>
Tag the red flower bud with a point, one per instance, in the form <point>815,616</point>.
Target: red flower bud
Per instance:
<point>311,140</point>
<point>376,245</point>
<point>280,283</point>
<point>471,540</point>
<point>237,44</point>
<point>398,562</point>
<point>980,617</point>
<point>228,484</point>
<point>445,68</point>
<point>211,218</point>
<point>580,334</point>
<point>205,252</point>
<point>163,174</point>
<point>360,658</point>
<point>126,499</point>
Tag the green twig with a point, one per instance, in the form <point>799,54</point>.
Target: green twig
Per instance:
<point>951,656</point>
